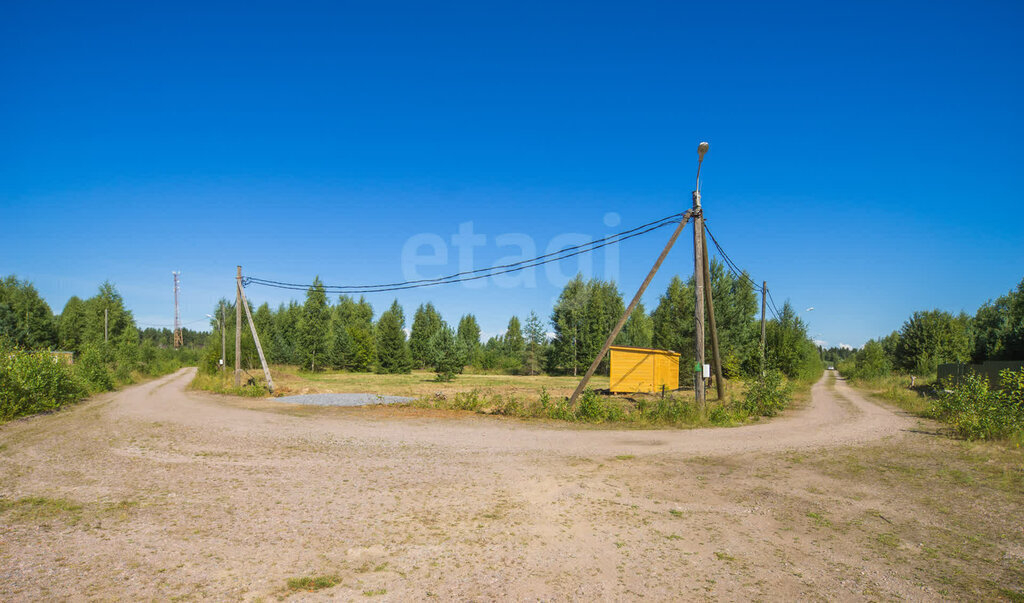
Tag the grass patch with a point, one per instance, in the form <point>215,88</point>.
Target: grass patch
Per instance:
<point>222,383</point>
<point>897,390</point>
<point>375,593</point>
<point>40,508</point>
<point>723,556</point>
<point>313,583</point>
<point>625,457</point>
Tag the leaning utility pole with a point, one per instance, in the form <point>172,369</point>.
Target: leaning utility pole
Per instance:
<point>715,355</point>
<point>238,328</point>
<point>629,310</point>
<point>255,337</point>
<point>178,340</point>
<point>764,293</point>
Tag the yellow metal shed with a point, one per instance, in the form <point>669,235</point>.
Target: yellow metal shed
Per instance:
<point>643,370</point>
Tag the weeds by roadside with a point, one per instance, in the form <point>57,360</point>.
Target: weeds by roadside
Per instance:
<point>676,409</point>
<point>224,384</point>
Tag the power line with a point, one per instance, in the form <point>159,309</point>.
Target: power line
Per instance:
<point>480,273</point>
<point>731,265</point>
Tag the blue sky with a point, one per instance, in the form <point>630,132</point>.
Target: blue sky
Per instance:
<point>865,157</point>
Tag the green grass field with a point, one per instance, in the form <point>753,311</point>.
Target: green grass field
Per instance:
<point>290,381</point>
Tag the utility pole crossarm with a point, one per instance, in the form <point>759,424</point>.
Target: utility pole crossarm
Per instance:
<point>629,310</point>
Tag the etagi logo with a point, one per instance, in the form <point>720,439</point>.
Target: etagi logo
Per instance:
<point>424,250</point>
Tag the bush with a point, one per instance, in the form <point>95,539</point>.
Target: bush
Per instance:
<point>593,408</point>
<point>767,396</point>
<point>92,370</point>
<point>977,413</point>
<point>32,382</point>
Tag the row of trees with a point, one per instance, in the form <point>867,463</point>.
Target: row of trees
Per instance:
<point>100,330</point>
<point>318,335</point>
<point>933,337</point>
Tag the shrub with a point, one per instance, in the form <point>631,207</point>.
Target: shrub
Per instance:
<point>767,396</point>
<point>977,413</point>
<point>593,408</point>
<point>32,382</point>
<point>92,369</point>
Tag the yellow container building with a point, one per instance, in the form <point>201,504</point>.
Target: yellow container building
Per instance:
<point>643,370</point>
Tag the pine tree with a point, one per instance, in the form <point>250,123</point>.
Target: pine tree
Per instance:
<point>342,348</point>
<point>673,327</point>
<point>448,354</point>
<point>469,336</point>
<point>536,340</point>
<point>426,323</point>
<point>355,318</point>
<point>314,327</point>
<point>392,351</point>
<point>513,345</point>
<point>364,349</point>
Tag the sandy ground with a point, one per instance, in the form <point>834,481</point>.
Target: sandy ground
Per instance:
<point>159,493</point>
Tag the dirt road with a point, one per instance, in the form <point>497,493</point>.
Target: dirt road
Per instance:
<point>155,492</point>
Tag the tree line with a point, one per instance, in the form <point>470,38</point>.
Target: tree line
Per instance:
<point>105,355</point>
<point>929,338</point>
<point>345,335</point>
<point>101,332</point>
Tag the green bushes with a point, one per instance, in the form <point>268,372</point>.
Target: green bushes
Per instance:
<point>223,383</point>
<point>673,410</point>
<point>978,413</point>
<point>32,382</point>
<point>92,369</point>
<point>768,396</point>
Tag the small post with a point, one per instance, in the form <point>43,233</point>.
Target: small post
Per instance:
<point>238,328</point>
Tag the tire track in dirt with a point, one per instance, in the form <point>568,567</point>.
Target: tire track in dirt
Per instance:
<point>836,416</point>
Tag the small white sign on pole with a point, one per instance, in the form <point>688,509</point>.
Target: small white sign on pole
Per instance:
<point>707,371</point>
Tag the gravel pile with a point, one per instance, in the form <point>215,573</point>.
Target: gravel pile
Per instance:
<point>342,399</point>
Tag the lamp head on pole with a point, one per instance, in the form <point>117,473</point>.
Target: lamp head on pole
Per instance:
<point>701,149</point>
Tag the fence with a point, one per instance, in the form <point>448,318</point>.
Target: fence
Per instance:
<point>989,369</point>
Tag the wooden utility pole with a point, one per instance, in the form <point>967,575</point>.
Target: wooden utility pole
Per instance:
<point>238,328</point>
<point>629,310</point>
<point>698,309</point>
<point>105,339</point>
<point>715,355</point>
<point>764,294</point>
<point>256,338</point>
<point>223,339</point>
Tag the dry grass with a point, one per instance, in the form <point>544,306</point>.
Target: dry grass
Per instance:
<point>896,390</point>
<point>291,381</point>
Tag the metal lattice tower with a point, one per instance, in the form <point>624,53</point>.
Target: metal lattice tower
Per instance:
<point>178,340</point>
